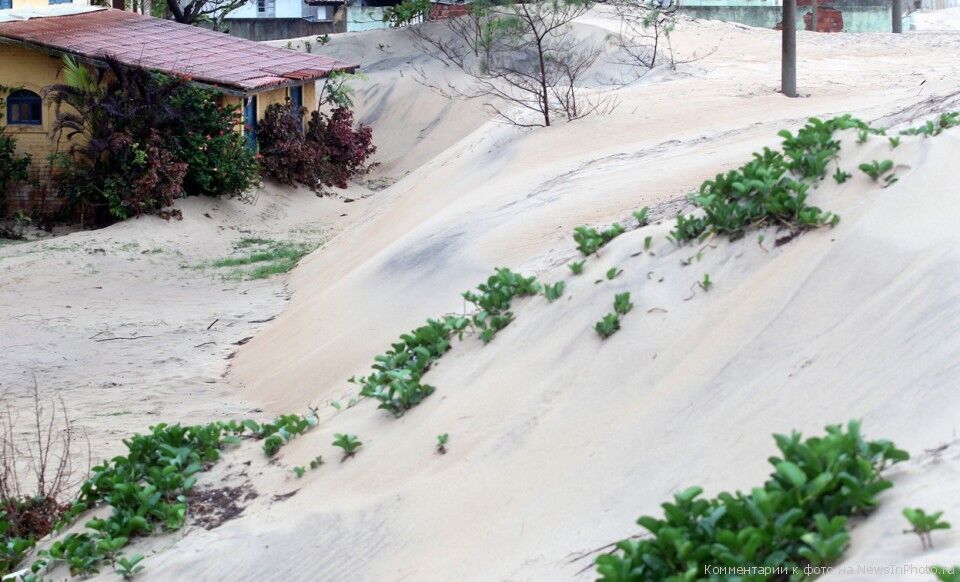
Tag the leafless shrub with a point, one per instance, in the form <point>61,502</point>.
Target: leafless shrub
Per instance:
<point>37,470</point>
<point>519,54</point>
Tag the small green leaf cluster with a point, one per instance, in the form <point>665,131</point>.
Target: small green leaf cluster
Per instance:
<point>840,176</point>
<point>281,431</point>
<point>610,324</point>
<point>576,267</point>
<point>797,518</point>
<point>589,240</point>
<point>442,440</point>
<point>554,292</point>
<point>642,216</point>
<point>348,442</point>
<point>127,568</point>
<point>923,524</point>
<point>397,374</point>
<point>314,465</point>
<point>771,188</point>
<point>493,300</point>
<point>876,169</point>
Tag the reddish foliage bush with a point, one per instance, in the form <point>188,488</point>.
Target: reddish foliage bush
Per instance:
<point>330,152</point>
<point>344,149</point>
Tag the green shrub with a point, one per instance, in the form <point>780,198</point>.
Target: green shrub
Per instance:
<point>219,163</point>
<point>797,518</point>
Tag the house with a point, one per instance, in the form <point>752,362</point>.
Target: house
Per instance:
<point>280,19</point>
<point>33,42</point>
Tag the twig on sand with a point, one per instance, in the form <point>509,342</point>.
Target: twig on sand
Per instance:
<point>213,323</point>
<point>110,339</point>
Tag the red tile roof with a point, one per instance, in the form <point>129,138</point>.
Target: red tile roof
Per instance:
<point>202,55</point>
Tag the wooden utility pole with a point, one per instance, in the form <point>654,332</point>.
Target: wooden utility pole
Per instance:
<point>897,16</point>
<point>788,65</point>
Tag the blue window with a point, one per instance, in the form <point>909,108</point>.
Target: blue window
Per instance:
<point>4,4</point>
<point>296,96</point>
<point>61,1</point>
<point>250,122</point>
<point>24,108</point>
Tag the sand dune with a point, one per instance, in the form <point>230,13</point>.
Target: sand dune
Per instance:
<point>559,441</point>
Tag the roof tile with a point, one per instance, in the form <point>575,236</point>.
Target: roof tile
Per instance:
<point>203,55</point>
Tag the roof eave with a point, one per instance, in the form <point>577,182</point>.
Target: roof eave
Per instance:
<point>232,90</point>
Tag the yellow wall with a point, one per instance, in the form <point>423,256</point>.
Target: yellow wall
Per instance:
<point>25,69</point>
<point>268,98</point>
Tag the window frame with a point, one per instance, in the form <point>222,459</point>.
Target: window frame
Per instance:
<point>19,99</point>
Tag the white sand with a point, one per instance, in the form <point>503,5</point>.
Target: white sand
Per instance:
<point>559,441</point>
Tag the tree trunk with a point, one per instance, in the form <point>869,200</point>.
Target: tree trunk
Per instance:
<point>814,15</point>
<point>897,16</point>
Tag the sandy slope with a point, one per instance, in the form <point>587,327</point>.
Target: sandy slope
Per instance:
<point>559,441</point>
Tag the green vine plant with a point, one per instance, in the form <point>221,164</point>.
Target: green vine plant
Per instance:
<point>349,443</point>
<point>609,325</point>
<point>878,170</point>
<point>797,518</point>
<point>576,267</point>
<point>642,216</point>
<point>840,176</point>
<point>397,377</point>
<point>933,128</point>
<point>589,240</point>
<point>127,568</point>
<point>923,524</point>
<point>705,283</point>
<point>771,189</point>
<point>554,292</point>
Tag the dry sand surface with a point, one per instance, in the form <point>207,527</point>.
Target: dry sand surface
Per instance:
<point>558,441</point>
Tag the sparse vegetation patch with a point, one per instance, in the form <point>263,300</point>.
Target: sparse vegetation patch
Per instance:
<point>797,518</point>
